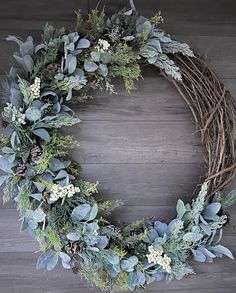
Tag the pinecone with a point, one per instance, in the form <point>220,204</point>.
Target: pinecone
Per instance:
<point>4,124</point>
<point>50,103</point>
<point>35,153</point>
<point>21,170</point>
<point>53,67</point>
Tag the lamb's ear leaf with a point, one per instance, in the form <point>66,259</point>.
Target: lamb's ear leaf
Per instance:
<point>14,39</point>
<point>33,114</point>
<point>102,242</point>
<point>44,259</point>
<point>53,262</point>
<point>180,208</point>
<point>56,165</point>
<point>43,134</point>
<point>65,257</point>
<point>5,165</point>
<point>161,228</point>
<point>93,212</point>
<point>27,48</point>
<point>221,250</point>
<point>29,63</point>
<point>129,264</point>
<point>81,211</point>
<point>135,278</point>
<point>229,199</point>
<point>90,66</point>
<point>211,210</point>
<point>71,63</point>
<point>3,178</point>
<point>198,255</point>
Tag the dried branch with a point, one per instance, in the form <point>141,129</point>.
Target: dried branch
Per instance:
<point>214,111</point>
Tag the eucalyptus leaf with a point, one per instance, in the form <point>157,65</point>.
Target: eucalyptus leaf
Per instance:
<point>56,165</point>
<point>102,242</point>
<point>96,56</point>
<point>103,69</point>
<point>135,278</point>
<point>128,265</point>
<point>83,44</point>
<point>161,228</point>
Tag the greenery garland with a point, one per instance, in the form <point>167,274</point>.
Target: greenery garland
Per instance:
<point>56,206</point>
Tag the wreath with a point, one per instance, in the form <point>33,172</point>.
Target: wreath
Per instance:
<point>56,205</point>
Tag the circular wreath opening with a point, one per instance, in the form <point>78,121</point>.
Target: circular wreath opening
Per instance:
<point>59,208</point>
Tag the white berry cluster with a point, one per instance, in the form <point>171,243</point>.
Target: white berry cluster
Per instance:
<point>14,115</point>
<point>58,191</point>
<point>157,257</point>
<point>35,88</point>
<point>102,45</point>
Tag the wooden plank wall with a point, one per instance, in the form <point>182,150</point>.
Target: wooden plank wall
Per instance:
<point>142,147</point>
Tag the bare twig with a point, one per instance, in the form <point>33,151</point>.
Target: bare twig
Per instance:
<point>214,111</point>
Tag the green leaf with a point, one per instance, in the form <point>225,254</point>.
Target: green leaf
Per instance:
<point>96,56</point>
<point>128,265</point>
<point>81,211</point>
<point>33,114</point>
<point>73,236</point>
<point>43,134</point>
<point>7,150</point>
<point>83,44</point>
<point>71,63</point>
<point>180,208</point>
<point>134,279</point>
<point>221,250</point>
<point>47,260</point>
<point>29,63</point>
<point>27,48</point>
<point>37,215</point>
<point>229,199</point>
<point>192,236</point>
<point>211,210</point>
<point>53,262</point>
<point>103,69</point>
<point>90,66</point>
<point>93,212</point>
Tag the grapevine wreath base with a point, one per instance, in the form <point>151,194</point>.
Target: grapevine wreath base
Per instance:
<point>56,205</point>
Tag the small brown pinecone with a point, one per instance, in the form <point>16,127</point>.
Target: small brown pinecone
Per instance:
<point>53,66</point>
<point>21,169</point>
<point>4,124</point>
<point>35,153</point>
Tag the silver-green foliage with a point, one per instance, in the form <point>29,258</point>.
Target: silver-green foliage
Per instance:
<point>74,228</point>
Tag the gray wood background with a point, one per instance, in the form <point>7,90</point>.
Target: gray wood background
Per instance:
<point>142,147</point>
